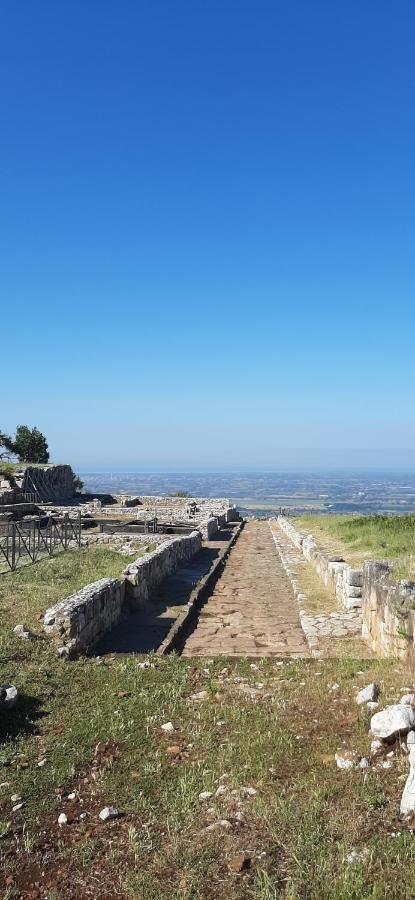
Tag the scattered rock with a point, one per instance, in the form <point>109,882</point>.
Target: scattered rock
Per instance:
<point>368,694</point>
<point>408,700</point>
<point>168,727</point>
<point>357,855</point>
<point>23,632</point>
<point>109,812</point>
<point>375,747</point>
<point>199,695</point>
<point>393,720</point>
<point>205,795</point>
<point>174,750</point>
<point>346,759</point>
<point>372,705</point>
<point>8,696</point>
<point>408,796</point>
<point>15,798</point>
<point>224,823</point>
<point>62,820</point>
<point>17,807</point>
<point>249,792</point>
<point>220,791</point>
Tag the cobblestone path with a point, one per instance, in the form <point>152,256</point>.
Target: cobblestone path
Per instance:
<point>252,611</point>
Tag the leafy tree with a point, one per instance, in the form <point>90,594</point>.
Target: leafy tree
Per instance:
<point>29,445</point>
<point>7,443</point>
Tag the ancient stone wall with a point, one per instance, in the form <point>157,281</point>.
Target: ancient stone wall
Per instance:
<point>388,612</point>
<point>344,580</point>
<point>78,622</point>
<point>145,574</point>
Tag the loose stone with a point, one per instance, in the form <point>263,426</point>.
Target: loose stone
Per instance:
<point>368,694</point>
<point>168,727</point>
<point>109,812</point>
<point>393,720</point>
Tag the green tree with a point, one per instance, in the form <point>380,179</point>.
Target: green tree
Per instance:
<point>6,445</point>
<point>30,445</point>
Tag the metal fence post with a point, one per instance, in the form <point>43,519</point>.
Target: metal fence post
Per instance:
<point>13,565</point>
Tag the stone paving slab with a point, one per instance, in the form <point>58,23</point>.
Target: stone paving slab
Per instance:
<point>252,611</point>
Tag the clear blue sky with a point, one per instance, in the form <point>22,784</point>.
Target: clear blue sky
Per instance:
<point>207,230</point>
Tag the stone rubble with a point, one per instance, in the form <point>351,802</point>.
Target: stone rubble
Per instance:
<point>392,721</point>
<point>8,696</point>
<point>368,694</point>
<point>408,796</point>
<point>109,812</point>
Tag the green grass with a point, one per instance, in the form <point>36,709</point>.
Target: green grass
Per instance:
<point>297,829</point>
<point>26,593</point>
<point>97,730</point>
<point>367,537</point>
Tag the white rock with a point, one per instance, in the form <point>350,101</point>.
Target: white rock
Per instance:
<point>199,695</point>
<point>371,705</point>
<point>23,632</point>
<point>375,746</point>
<point>368,694</point>
<point>363,764</point>
<point>220,791</point>
<point>249,792</point>
<point>408,700</point>
<point>346,759</point>
<point>408,796</point>
<point>393,720</point>
<point>8,696</point>
<point>17,807</point>
<point>15,798</point>
<point>357,856</point>
<point>224,823</point>
<point>168,727</point>
<point>62,819</point>
<point>205,795</point>
<point>109,812</point>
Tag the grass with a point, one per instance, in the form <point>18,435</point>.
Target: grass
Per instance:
<point>366,537</point>
<point>96,731</point>
<point>98,728</point>
<point>26,593</point>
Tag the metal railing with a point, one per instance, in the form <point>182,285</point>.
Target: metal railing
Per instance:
<point>24,542</point>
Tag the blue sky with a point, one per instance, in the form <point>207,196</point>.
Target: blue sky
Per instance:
<point>207,230</point>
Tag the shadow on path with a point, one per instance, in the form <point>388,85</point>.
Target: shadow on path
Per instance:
<point>143,629</point>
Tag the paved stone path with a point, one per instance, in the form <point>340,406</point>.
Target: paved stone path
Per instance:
<point>252,611</point>
<point>144,629</point>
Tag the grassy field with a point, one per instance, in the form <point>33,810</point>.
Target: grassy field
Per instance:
<point>366,537</point>
<point>26,593</point>
<point>87,734</point>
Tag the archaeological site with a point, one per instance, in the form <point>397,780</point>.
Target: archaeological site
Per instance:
<point>175,672</point>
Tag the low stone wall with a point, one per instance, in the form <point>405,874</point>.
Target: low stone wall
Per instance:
<point>344,580</point>
<point>78,622</point>
<point>388,612</point>
<point>145,574</point>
